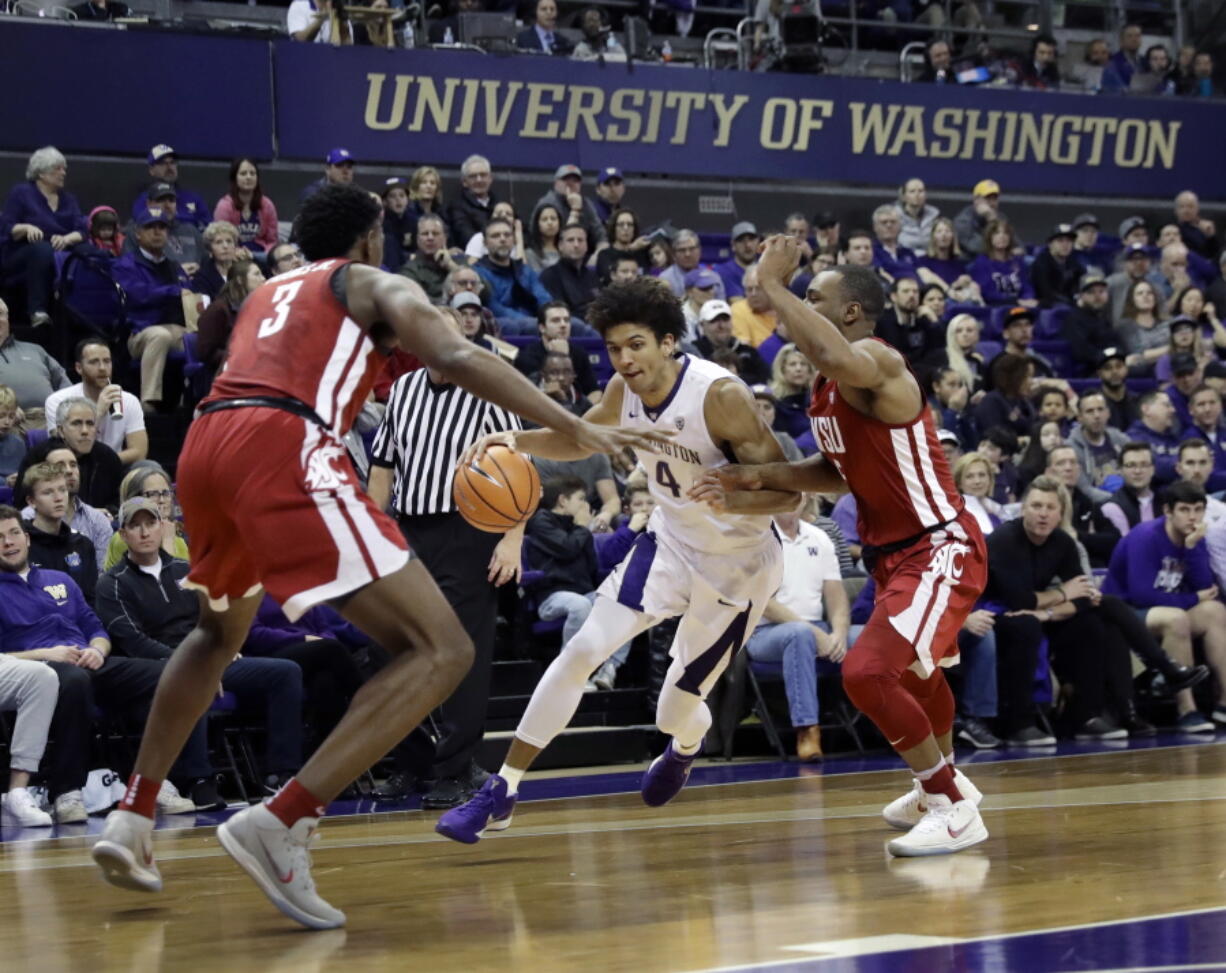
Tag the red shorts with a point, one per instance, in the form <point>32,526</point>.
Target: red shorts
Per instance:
<point>270,499</point>
<point>926,591</point>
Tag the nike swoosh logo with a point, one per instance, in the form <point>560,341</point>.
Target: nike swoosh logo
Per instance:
<point>726,604</point>
<point>894,743</point>
<point>283,879</point>
<point>958,833</point>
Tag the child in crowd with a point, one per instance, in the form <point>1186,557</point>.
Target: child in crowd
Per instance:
<point>104,230</point>
<point>12,443</point>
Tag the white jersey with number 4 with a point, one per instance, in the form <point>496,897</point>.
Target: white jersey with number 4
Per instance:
<point>673,467</point>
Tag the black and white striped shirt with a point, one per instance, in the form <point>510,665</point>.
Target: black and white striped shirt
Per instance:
<point>424,431</point>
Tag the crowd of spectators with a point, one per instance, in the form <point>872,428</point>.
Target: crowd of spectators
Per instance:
<point>1076,382</point>
<point>1132,69</point>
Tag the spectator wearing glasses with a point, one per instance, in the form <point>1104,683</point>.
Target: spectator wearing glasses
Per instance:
<point>1134,502</point>
<point>184,242</point>
<point>283,258</point>
<point>468,214</point>
<point>149,482</point>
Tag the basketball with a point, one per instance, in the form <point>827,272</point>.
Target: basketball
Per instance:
<point>497,491</point>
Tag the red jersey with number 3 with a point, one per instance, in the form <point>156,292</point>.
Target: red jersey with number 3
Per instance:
<point>897,473</point>
<point>295,339</point>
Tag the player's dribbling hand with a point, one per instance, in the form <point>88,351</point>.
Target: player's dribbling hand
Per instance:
<point>780,255</point>
<point>608,439</point>
<point>482,445</point>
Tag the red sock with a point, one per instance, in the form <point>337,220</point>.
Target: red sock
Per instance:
<point>941,781</point>
<point>293,802</point>
<point>141,797</point>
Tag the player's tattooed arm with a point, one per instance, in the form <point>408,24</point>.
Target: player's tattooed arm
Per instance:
<point>734,421</point>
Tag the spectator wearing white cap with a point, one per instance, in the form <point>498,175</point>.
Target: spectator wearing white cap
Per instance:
<point>745,241</point>
<point>339,166</point>
<point>567,198</point>
<point>715,318</point>
<point>164,168</point>
<point>983,209</point>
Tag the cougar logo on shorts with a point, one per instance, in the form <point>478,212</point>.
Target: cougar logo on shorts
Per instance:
<point>322,472</point>
<point>947,560</point>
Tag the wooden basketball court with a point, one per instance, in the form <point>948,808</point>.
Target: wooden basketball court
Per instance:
<point>784,874</point>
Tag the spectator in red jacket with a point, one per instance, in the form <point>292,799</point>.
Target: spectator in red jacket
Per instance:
<point>246,206</point>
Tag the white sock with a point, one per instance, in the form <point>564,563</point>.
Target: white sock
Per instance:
<point>684,750</point>
<point>512,775</point>
<point>949,758</point>
<point>930,772</point>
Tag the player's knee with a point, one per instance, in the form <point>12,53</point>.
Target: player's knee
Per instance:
<point>587,650</point>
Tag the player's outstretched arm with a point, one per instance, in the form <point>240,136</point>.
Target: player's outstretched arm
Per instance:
<point>731,418</point>
<point>861,364</point>
<point>423,328</point>
<point>811,475</point>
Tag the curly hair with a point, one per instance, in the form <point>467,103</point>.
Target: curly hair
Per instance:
<point>642,301</point>
<point>334,219</point>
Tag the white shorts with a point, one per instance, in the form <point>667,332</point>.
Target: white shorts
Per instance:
<point>721,596</point>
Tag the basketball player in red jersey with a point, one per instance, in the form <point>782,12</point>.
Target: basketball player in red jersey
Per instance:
<point>876,439</point>
<point>271,501</point>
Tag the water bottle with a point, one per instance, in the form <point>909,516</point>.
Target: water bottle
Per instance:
<point>666,52</point>
<point>448,36</point>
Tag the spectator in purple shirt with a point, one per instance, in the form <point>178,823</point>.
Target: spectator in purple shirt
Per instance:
<point>1000,273</point>
<point>745,240</point>
<point>155,286</point>
<point>1163,567</point>
<point>889,257</point>
<point>1158,429</point>
<point>39,220</point>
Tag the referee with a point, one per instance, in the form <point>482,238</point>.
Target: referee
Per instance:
<point>426,428</point>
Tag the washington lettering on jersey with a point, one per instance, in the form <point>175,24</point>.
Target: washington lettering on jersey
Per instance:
<point>677,450</point>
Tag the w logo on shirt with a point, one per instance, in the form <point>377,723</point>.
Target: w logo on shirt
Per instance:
<point>57,591</point>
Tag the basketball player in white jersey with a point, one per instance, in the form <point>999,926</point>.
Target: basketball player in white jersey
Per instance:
<point>717,570</point>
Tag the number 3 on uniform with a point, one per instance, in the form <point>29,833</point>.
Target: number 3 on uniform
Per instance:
<point>281,298</point>
<point>664,477</point>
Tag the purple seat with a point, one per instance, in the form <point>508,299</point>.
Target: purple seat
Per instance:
<point>989,349</point>
<point>1050,321</point>
<point>35,436</point>
<point>1058,353</point>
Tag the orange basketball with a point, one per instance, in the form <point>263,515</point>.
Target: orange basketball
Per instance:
<point>498,491</point>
